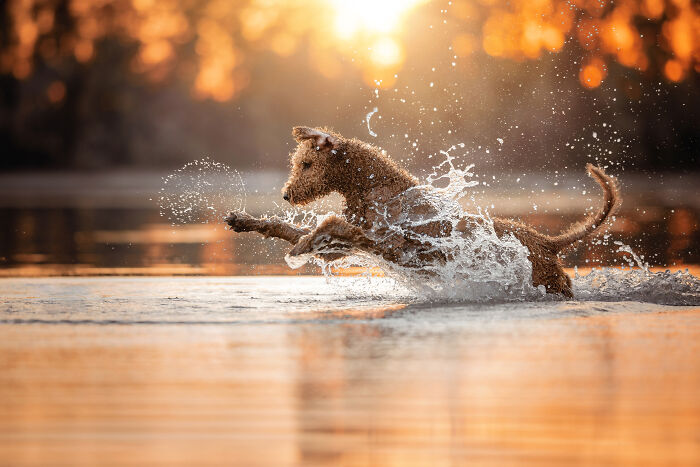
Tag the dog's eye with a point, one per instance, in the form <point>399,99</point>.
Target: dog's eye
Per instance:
<point>305,165</point>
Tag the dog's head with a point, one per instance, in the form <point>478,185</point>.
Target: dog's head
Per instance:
<point>310,165</point>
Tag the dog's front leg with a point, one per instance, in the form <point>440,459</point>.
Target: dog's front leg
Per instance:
<point>269,227</point>
<point>332,239</point>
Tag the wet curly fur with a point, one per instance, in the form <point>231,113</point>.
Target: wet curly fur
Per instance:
<point>379,194</point>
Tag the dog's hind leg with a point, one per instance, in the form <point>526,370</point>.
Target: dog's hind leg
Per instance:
<point>269,227</point>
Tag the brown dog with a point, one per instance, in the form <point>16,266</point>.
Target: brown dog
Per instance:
<point>388,214</point>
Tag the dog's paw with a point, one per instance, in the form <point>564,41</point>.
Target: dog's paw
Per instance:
<point>240,221</point>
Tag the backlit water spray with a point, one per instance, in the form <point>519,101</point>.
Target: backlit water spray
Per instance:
<point>201,192</point>
<point>481,267</point>
<point>477,267</point>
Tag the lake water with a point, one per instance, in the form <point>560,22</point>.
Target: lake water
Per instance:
<point>110,223</point>
<point>297,370</point>
<point>302,371</point>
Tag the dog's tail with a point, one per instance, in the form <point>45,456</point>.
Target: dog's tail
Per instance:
<point>585,228</point>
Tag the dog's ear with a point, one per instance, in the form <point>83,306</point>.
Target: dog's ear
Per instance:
<point>320,139</point>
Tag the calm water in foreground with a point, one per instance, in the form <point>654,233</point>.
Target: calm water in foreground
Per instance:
<point>294,371</point>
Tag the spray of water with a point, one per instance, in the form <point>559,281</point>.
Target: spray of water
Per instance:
<point>201,191</point>
<point>637,283</point>
<point>477,267</point>
<point>480,266</point>
<point>368,117</point>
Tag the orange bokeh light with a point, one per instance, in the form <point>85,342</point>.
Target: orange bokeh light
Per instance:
<point>674,70</point>
<point>593,73</point>
<point>369,34</point>
<point>56,92</point>
<point>653,9</point>
<point>84,50</point>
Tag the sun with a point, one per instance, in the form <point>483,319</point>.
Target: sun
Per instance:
<point>376,17</point>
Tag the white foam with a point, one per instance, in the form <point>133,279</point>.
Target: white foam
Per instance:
<point>639,285</point>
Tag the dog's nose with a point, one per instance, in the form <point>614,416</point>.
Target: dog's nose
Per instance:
<point>285,196</point>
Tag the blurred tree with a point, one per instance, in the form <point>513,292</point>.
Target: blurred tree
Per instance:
<point>90,83</point>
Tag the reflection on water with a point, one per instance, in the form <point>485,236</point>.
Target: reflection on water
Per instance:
<point>110,224</point>
<point>126,241</point>
<point>302,378</point>
<point>114,241</point>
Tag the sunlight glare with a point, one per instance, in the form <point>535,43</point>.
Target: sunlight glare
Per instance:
<point>386,52</point>
<point>371,16</point>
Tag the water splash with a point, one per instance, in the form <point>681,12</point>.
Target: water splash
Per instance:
<point>480,266</point>
<point>477,266</point>
<point>637,283</point>
<point>636,259</point>
<point>368,117</point>
<point>201,191</point>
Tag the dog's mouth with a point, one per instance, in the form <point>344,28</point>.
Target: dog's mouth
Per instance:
<point>297,202</point>
<point>289,197</point>
<point>298,196</point>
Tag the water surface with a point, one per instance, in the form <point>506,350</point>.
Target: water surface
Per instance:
<point>296,371</point>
